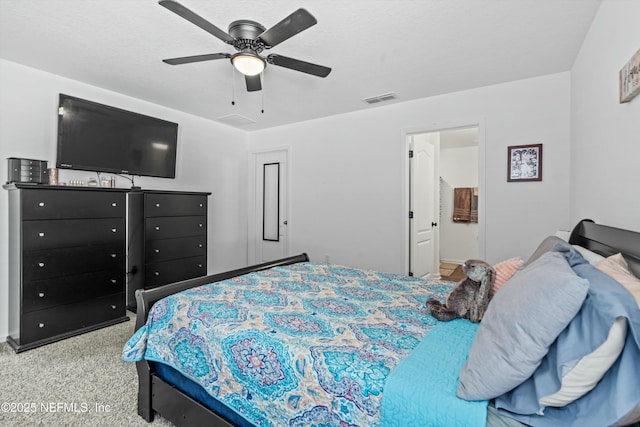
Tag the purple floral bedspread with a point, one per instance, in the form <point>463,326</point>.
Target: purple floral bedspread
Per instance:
<point>297,345</point>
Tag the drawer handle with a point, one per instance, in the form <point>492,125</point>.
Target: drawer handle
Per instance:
<point>200,225</point>
<point>156,273</point>
<point>157,251</point>
<point>41,264</point>
<point>41,294</point>
<point>113,255</point>
<point>41,234</point>
<point>199,265</point>
<point>114,204</point>
<point>114,281</point>
<point>157,228</point>
<point>157,205</point>
<point>113,306</point>
<point>200,245</point>
<point>113,230</point>
<point>41,204</point>
<point>40,325</point>
<point>201,205</point>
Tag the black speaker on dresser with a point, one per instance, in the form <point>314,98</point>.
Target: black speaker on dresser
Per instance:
<point>27,170</point>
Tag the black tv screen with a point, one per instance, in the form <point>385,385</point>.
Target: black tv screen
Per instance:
<point>96,137</point>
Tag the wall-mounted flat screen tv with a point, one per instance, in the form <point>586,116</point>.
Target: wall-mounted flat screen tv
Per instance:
<point>96,137</point>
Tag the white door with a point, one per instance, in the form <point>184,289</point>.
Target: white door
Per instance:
<point>270,237</point>
<point>424,205</point>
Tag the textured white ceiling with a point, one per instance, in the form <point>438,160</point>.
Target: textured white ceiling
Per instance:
<point>414,48</point>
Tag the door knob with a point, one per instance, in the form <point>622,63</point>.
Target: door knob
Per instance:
<point>434,224</point>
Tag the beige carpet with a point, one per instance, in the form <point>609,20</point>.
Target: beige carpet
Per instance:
<point>80,381</point>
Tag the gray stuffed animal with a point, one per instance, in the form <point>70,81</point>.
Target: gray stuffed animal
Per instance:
<point>470,297</point>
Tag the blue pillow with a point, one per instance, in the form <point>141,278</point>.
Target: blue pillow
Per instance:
<point>521,322</point>
<point>616,398</point>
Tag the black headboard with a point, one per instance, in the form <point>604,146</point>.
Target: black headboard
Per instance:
<point>608,241</point>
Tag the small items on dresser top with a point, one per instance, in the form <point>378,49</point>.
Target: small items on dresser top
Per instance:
<point>33,171</point>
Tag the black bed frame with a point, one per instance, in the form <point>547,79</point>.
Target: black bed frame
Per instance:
<point>607,241</point>
<point>157,396</point>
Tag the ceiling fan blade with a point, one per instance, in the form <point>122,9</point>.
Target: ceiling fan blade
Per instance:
<point>196,58</point>
<point>296,64</point>
<point>253,83</point>
<point>297,22</point>
<point>192,17</point>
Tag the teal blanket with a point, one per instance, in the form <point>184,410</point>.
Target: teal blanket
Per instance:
<point>421,390</point>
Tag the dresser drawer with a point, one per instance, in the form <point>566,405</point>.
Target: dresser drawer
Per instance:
<point>17,163</point>
<point>175,204</point>
<point>30,177</point>
<point>78,260</point>
<point>41,294</point>
<point>47,323</point>
<point>179,226</point>
<point>29,173</point>
<point>174,271</point>
<point>30,169</point>
<point>74,232</point>
<point>168,249</point>
<point>61,204</point>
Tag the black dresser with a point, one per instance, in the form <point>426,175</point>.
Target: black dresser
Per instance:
<point>167,238</point>
<point>67,261</point>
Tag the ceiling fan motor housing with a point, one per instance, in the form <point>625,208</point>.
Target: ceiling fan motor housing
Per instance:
<point>246,33</point>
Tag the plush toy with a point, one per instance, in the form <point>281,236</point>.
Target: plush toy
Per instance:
<point>470,297</point>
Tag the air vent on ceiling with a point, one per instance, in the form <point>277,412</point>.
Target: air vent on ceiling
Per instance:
<point>379,98</point>
<point>235,120</point>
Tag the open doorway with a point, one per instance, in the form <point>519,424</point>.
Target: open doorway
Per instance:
<point>434,190</point>
<point>459,177</point>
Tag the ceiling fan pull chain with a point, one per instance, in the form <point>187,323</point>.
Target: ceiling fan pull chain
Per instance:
<point>262,94</point>
<point>233,87</point>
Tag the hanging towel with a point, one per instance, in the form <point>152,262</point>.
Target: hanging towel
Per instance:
<point>474,204</point>
<point>462,204</point>
<point>465,204</point>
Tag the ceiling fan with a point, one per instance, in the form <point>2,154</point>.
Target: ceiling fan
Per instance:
<point>250,38</point>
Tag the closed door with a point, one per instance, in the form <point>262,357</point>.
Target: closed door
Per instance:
<point>423,207</point>
<point>270,220</point>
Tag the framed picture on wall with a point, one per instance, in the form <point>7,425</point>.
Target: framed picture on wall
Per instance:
<point>524,163</point>
<point>630,79</point>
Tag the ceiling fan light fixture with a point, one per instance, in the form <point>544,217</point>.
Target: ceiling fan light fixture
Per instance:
<point>248,63</point>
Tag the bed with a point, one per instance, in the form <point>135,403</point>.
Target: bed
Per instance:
<point>294,343</point>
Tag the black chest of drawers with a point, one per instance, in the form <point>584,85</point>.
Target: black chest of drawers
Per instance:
<point>67,262</point>
<point>167,238</point>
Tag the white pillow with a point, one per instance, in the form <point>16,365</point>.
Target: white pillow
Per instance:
<point>589,370</point>
<point>591,257</point>
<point>617,268</point>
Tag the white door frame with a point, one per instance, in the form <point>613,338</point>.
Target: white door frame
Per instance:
<point>439,127</point>
<point>251,229</point>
